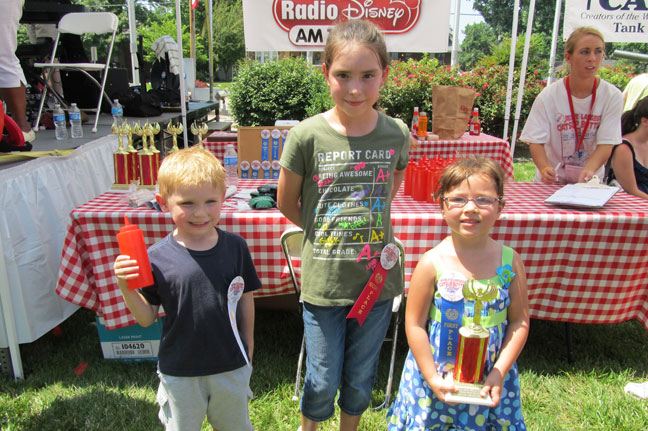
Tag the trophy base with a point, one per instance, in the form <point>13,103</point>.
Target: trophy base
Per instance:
<point>469,393</point>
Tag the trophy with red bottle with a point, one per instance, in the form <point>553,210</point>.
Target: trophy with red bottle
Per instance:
<point>473,347</point>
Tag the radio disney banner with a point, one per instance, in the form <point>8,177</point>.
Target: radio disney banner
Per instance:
<point>303,25</point>
<point>617,20</point>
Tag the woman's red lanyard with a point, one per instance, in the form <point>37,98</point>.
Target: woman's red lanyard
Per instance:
<point>580,137</point>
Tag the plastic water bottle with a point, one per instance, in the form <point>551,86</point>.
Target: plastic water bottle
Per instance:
<point>76,131</point>
<point>231,166</point>
<point>117,111</point>
<point>59,123</point>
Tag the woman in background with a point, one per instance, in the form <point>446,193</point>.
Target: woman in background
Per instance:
<point>574,123</point>
<point>627,164</point>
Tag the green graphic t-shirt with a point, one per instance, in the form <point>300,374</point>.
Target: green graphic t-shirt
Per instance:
<point>345,205</point>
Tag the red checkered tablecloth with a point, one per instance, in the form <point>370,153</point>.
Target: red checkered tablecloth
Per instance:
<point>218,140</point>
<point>483,144</point>
<point>585,266</point>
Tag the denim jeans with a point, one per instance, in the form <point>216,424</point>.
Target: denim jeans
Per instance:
<point>339,353</point>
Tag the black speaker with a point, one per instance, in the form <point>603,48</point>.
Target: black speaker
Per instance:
<point>116,82</point>
<point>78,88</point>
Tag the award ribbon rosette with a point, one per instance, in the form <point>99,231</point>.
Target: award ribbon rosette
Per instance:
<point>473,347</point>
<point>276,136</point>
<point>234,293</point>
<point>265,144</point>
<point>374,286</point>
<point>450,288</point>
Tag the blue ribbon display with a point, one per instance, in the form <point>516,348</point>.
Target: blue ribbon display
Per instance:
<point>451,319</point>
<point>275,148</point>
<point>265,143</point>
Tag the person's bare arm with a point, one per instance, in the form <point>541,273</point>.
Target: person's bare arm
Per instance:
<point>539,155</point>
<point>600,155</point>
<point>246,310</point>
<point>125,269</point>
<point>398,179</point>
<point>623,167</point>
<point>289,194</point>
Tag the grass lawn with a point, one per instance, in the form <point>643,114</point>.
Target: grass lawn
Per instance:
<point>113,395</point>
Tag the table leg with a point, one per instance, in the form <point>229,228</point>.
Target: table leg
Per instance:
<point>568,335</point>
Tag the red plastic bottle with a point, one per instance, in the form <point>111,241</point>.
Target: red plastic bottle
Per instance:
<point>131,243</point>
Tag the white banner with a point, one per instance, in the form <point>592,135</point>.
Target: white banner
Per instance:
<point>617,20</point>
<point>302,25</point>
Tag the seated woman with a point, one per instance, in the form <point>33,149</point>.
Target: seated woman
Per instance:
<point>627,164</point>
<point>574,122</point>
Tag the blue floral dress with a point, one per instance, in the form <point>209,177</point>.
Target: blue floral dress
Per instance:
<point>417,408</point>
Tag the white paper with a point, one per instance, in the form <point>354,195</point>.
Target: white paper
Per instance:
<point>582,195</point>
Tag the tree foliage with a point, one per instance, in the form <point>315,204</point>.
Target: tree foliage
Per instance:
<point>479,41</point>
<point>288,89</point>
<point>499,15</point>
<point>229,44</point>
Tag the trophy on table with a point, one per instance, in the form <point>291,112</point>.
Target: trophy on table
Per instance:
<point>128,130</point>
<point>200,131</point>
<point>473,348</point>
<point>152,131</point>
<point>174,130</point>
<point>146,157</point>
<point>121,161</point>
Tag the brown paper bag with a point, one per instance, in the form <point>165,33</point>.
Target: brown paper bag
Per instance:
<point>451,108</point>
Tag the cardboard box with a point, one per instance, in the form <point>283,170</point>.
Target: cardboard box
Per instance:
<point>258,156</point>
<point>132,343</point>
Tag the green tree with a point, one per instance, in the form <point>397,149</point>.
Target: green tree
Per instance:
<point>479,40</point>
<point>229,43</point>
<point>166,25</point>
<point>499,15</point>
<point>538,58</point>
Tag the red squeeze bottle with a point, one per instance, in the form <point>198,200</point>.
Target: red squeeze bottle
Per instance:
<point>131,243</point>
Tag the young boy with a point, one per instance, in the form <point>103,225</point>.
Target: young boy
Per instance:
<point>201,364</point>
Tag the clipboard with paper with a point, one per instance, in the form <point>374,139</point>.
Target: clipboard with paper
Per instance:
<point>591,194</point>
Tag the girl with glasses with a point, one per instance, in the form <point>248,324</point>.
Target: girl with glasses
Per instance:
<point>471,198</point>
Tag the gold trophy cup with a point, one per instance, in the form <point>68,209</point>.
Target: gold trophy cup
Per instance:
<point>473,347</point>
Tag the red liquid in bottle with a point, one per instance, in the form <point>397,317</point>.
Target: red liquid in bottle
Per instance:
<point>131,243</point>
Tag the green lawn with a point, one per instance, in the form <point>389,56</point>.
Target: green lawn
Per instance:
<point>113,395</point>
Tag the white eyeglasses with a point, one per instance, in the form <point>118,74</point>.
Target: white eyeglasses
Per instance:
<point>481,201</point>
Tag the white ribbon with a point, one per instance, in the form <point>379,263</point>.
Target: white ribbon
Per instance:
<point>234,293</point>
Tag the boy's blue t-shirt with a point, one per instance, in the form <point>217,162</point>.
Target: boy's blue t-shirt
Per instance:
<point>345,203</point>
<point>197,338</point>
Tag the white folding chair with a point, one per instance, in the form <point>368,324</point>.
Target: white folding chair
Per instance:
<point>291,244</point>
<point>80,23</point>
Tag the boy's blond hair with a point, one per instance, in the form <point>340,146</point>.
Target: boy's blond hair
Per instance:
<point>192,166</point>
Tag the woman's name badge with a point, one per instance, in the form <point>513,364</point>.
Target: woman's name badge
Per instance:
<point>450,287</point>
<point>365,302</point>
<point>234,293</point>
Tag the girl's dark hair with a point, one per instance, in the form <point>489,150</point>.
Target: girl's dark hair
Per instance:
<point>631,119</point>
<point>466,167</point>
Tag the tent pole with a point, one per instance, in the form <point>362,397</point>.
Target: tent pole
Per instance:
<point>554,41</point>
<point>211,50</point>
<point>509,82</point>
<point>132,31</point>
<point>455,35</point>
<point>520,96</point>
<point>183,106</point>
